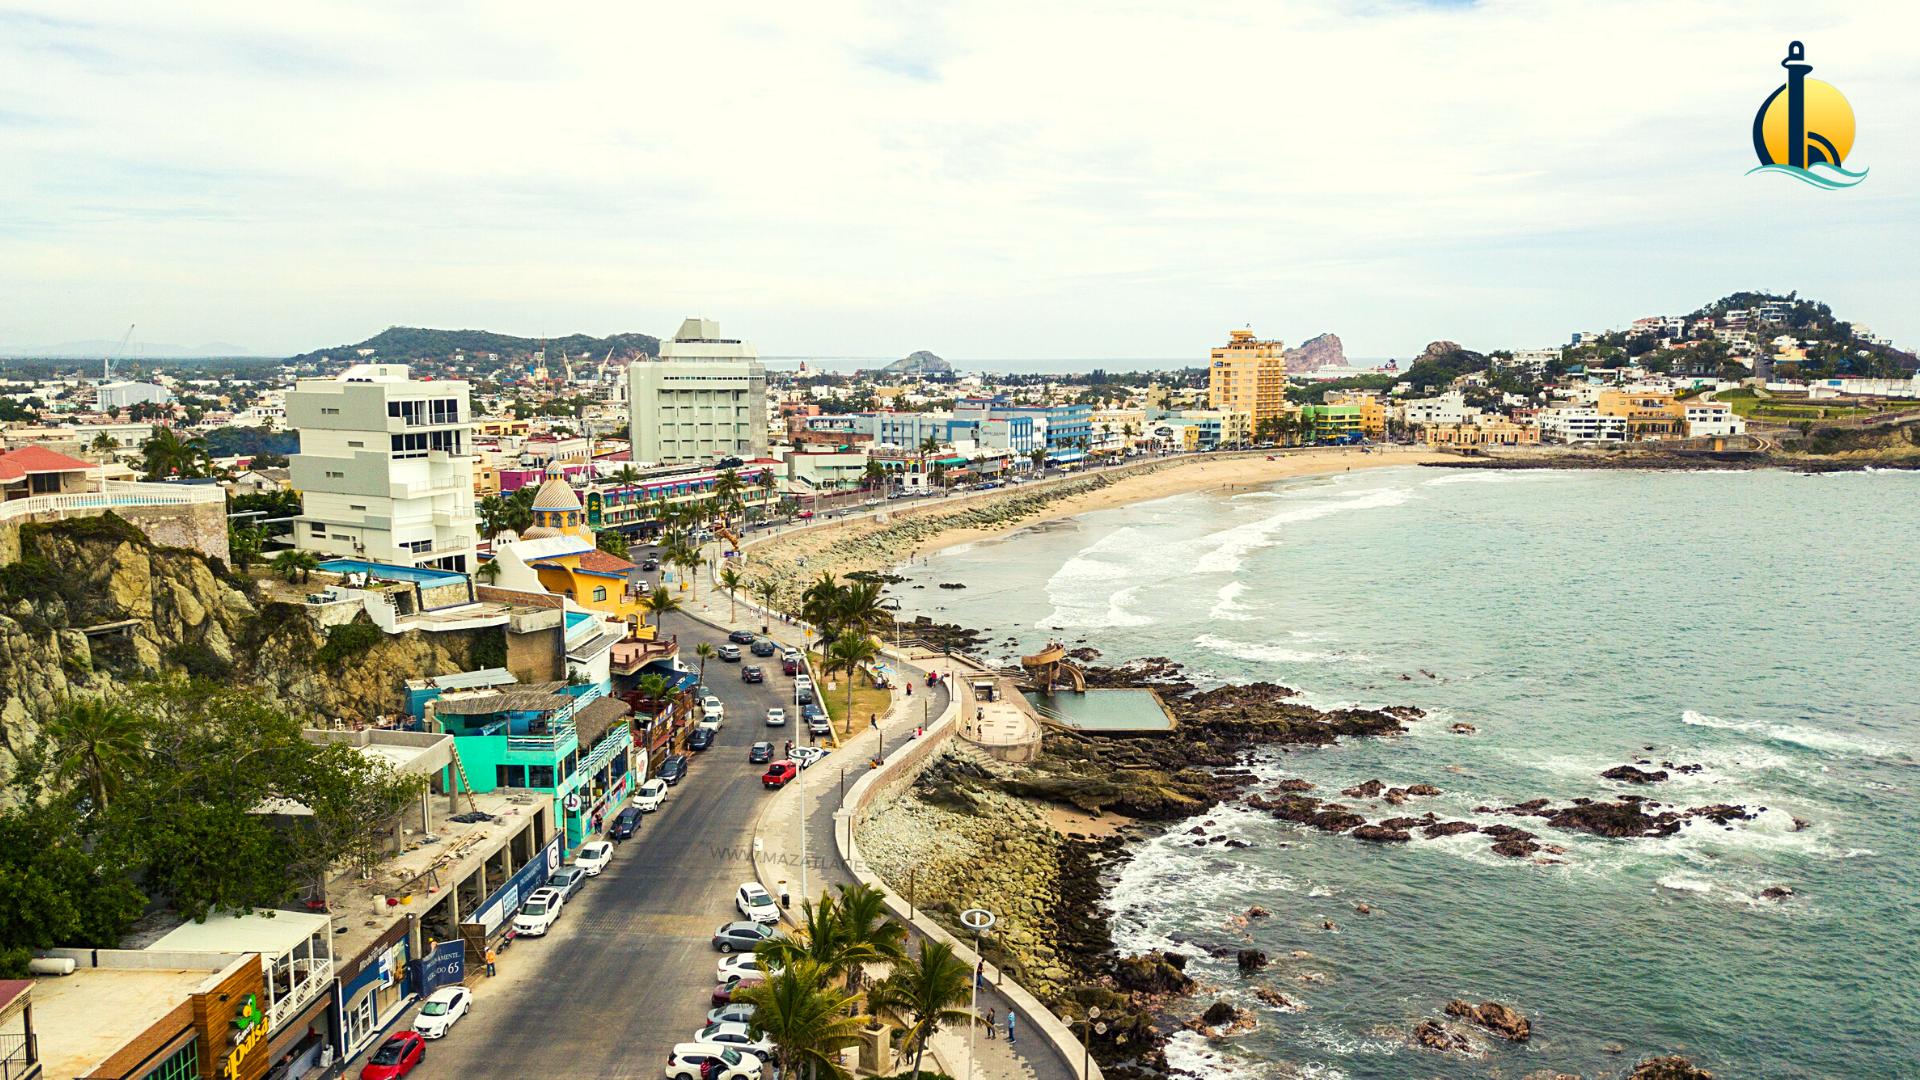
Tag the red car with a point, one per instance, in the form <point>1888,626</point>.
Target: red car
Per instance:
<point>779,773</point>
<point>723,994</point>
<point>396,1057</point>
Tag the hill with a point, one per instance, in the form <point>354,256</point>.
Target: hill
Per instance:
<point>920,363</point>
<point>404,344</point>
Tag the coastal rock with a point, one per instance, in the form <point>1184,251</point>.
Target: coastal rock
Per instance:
<point>1381,834</point>
<point>1315,353</point>
<point>1363,909</point>
<point>1219,1013</point>
<point>1722,814</point>
<point>1462,729</point>
<point>1422,789</point>
<point>1403,823</point>
<point>1395,796</point>
<point>1668,1068</point>
<point>1624,818</point>
<point>1433,1035</point>
<point>1278,1000</point>
<point>1292,785</point>
<point>1449,828</point>
<point>1776,892</point>
<point>1495,1017</point>
<point>1363,791</point>
<point>1256,912</point>
<point>1153,973</point>
<point>1632,775</point>
<point>1251,960</point>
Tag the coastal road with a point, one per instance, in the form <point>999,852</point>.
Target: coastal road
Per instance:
<point>627,970</point>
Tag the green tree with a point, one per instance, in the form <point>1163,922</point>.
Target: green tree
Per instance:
<point>809,1025</point>
<point>294,565</point>
<point>1038,455</point>
<point>166,454</point>
<point>820,605</point>
<point>659,602</point>
<point>345,790</point>
<point>244,543</point>
<point>612,542</point>
<point>94,744</point>
<point>923,995</point>
<point>857,607</point>
<point>875,473</point>
<point>848,654</point>
<point>489,571</point>
<point>705,652</point>
<point>492,511</point>
<point>59,886</point>
<point>104,443</point>
<point>868,932</point>
<point>731,579</point>
<point>767,591</point>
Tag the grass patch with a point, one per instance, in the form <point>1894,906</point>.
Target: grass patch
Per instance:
<point>868,699</point>
<point>348,641</point>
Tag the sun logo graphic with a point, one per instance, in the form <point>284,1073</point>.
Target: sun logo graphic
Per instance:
<point>1805,128</point>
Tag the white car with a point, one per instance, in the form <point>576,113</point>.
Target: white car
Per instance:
<point>539,913</point>
<point>776,717</point>
<point>743,965</point>
<point>735,1033</point>
<point>735,1064</point>
<point>594,857</point>
<point>803,681</point>
<point>755,903</point>
<point>711,706</point>
<point>444,1009</point>
<point>650,796</point>
<point>804,756</point>
<point>739,1012</point>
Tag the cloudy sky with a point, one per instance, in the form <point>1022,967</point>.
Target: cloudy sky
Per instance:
<point>1108,180</point>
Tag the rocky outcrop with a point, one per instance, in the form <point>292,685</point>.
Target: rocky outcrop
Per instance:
<point>1630,774</point>
<point>1495,1017</point>
<point>1434,1035</point>
<point>1668,1068</point>
<point>1153,973</point>
<point>921,362</point>
<point>1316,353</point>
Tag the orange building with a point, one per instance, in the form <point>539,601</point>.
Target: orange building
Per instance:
<point>1248,376</point>
<point>1649,414</point>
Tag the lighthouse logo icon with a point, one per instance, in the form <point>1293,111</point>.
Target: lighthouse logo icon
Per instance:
<point>1805,128</point>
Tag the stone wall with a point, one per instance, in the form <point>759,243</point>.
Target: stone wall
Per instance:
<point>200,526</point>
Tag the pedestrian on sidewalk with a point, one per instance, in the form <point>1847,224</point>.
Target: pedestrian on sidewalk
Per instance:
<point>1010,1019</point>
<point>980,974</point>
<point>490,971</point>
<point>990,1028</point>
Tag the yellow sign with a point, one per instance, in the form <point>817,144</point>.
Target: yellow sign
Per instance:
<point>249,1031</point>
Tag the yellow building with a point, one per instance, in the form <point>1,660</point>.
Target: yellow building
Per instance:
<point>559,554</point>
<point>496,426</point>
<point>1248,376</point>
<point>1484,433</point>
<point>1373,413</point>
<point>1649,414</point>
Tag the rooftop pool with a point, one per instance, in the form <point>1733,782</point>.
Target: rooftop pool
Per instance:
<point>425,575</point>
<point>1103,710</point>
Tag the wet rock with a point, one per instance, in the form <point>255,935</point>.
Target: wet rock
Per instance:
<point>1722,814</point>
<point>1623,818</point>
<point>1433,1035</point>
<point>1219,1013</point>
<point>1508,832</point>
<point>1463,729</point>
<point>1381,835</point>
<point>1196,831</point>
<point>1292,785</point>
<point>1363,909</point>
<point>1238,844</point>
<point>1256,912</point>
<point>1516,848</point>
<point>1495,1017</point>
<point>1364,791</point>
<point>1395,796</point>
<point>1449,828</point>
<point>1278,1000</point>
<point>1668,1068</point>
<point>1328,925</point>
<point>1632,775</point>
<point>1423,789</point>
<point>1402,823</point>
<point>1251,960</point>
<point>1153,973</point>
<point>1776,892</point>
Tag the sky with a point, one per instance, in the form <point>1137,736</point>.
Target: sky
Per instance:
<point>1107,180</point>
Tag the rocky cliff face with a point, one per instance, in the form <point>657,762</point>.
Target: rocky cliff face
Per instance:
<point>176,612</point>
<point>1316,353</point>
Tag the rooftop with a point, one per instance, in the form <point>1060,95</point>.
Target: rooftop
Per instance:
<point>83,1018</point>
<point>227,932</point>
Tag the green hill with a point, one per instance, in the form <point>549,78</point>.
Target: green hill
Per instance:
<point>411,344</point>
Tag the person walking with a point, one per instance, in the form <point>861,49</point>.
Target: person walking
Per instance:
<point>490,971</point>
<point>1010,1019</point>
<point>990,1028</point>
<point>980,974</point>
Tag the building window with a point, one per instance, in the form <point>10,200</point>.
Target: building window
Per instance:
<point>540,776</point>
<point>329,412</point>
<point>355,506</point>
<point>448,441</point>
<point>418,547</point>
<point>410,446</point>
<point>331,475</point>
<point>319,528</point>
<point>184,1064</point>
<point>509,776</point>
<point>599,592</point>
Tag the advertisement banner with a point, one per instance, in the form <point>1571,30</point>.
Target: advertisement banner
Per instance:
<point>444,966</point>
<point>506,900</point>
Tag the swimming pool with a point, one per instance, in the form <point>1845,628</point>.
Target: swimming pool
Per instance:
<point>425,575</point>
<point>1104,710</point>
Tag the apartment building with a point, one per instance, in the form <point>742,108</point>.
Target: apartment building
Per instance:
<point>1710,419</point>
<point>1248,375</point>
<point>1581,424</point>
<point>1448,408</point>
<point>1488,431</point>
<point>1649,415</point>
<point>704,399</point>
<point>384,469</point>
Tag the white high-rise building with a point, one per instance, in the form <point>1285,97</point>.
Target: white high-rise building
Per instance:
<point>383,468</point>
<point>705,398</point>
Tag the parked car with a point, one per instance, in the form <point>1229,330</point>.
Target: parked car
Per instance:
<point>711,708</point>
<point>745,965</point>
<point>753,673</point>
<point>763,647</point>
<point>449,1003</point>
<point>789,666</point>
<point>755,903</point>
<point>804,695</point>
<point>804,756</point>
<point>741,935</point>
<point>739,1012</point>
<point>776,717</point>
<point>396,1057</point>
<point>803,682</point>
<point>723,993</point>
<point>760,753</point>
<point>674,769</point>
<point>650,564</point>
<point>711,1061</point>
<point>593,857</point>
<point>730,653</point>
<point>741,637</point>
<point>625,823</point>
<point>779,773</point>
<point>651,795</point>
<point>701,738</point>
<point>568,880</point>
<point>819,726</point>
<point>736,1034</point>
<point>539,913</point>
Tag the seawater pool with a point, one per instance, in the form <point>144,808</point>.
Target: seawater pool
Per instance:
<point>1104,710</point>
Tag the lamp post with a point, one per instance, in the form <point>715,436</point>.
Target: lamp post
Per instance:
<point>1087,1028</point>
<point>978,920</point>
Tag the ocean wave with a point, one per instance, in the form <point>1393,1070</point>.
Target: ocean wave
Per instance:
<point>1232,546</point>
<point>1681,883</point>
<point>1269,652</point>
<point>1228,606</point>
<point>1480,478</point>
<point>1091,591</point>
<point>1811,738</point>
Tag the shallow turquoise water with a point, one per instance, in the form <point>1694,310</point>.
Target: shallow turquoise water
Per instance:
<point>1758,624</point>
<point>1109,710</point>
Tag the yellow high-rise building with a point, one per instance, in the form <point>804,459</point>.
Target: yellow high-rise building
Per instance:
<point>1249,376</point>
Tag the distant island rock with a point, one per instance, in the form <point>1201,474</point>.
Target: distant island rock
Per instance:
<point>1316,353</point>
<point>920,363</point>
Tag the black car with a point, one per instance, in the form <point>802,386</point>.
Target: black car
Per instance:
<point>624,824</point>
<point>760,753</point>
<point>730,653</point>
<point>701,738</point>
<point>752,673</point>
<point>763,647</point>
<point>650,564</point>
<point>673,770</point>
<point>806,695</point>
<point>741,637</point>
<point>741,936</point>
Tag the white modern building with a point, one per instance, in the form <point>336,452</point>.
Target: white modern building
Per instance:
<point>1533,360</point>
<point>120,395</point>
<point>705,398</point>
<point>1581,424</point>
<point>384,468</point>
<point>1448,408</point>
<point>1707,419</point>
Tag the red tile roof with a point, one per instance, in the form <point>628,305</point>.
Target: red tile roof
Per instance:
<point>39,459</point>
<point>601,562</point>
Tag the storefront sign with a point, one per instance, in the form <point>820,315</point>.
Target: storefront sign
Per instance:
<point>444,966</point>
<point>231,1023</point>
<point>249,1031</point>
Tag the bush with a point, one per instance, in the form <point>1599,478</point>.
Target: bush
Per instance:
<point>199,661</point>
<point>348,641</point>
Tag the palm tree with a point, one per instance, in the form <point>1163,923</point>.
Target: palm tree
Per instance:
<point>731,579</point>
<point>493,512</point>
<point>867,930</point>
<point>727,485</point>
<point>295,564</point>
<point>95,745</point>
<point>923,995</point>
<point>244,542</point>
<point>809,1025</point>
<point>705,652</point>
<point>688,560</point>
<point>1038,455</point>
<point>166,454</point>
<point>767,591</point>
<point>876,473</point>
<point>857,607</point>
<point>653,687</point>
<point>489,571</point>
<point>820,605</point>
<point>627,475</point>
<point>519,513</point>
<point>848,654</point>
<point>104,443</point>
<point>660,601</point>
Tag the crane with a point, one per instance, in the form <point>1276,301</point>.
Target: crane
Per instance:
<point>106,374</point>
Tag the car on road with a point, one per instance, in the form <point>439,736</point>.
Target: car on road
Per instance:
<point>741,935</point>
<point>651,795</point>
<point>819,727</point>
<point>779,773</point>
<point>753,673</point>
<point>803,682</point>
<point>701,738</point>
<point>449,1003</point>
<point>625,823</point>
<point>763,647</point>
<point>538,914</point>
<point>745,965</point>
<point>804,695</point>
<point>723,993</point>
<point>593,857</point>
<point>650,564</point>
<point>739,1012</point>
<point>760,753</point>
<point>674,769</point>
<point>789,666</point>
<point>712,709</point>
<point>737,1034</point>
<point>396,1057</point>
<point>741,637</point>
<point>711,1061</point>
<point>568,880</point>
<point>776,717</point>
<point>755,903</point>
<point>730,653</point>
<point>804,756</point>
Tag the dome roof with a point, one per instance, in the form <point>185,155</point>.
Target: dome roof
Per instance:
<point>556,494</point>
<point>540,532</point>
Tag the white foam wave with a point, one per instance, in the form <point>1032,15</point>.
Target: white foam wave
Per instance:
<point>1811,738</point>
<point>1228,604</point>
<point>1092,589</point>
<point>1681,883</point>
<point>1231,546</point>
<point>1269,652</point>
<point>1482,478</point>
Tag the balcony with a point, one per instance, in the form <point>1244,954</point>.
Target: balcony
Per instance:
<point>628,657</point>
<point>295,986</point>
<point>19,1057</point>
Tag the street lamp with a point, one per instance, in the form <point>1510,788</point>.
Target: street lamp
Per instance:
<point>978,920</point>
<point>1087,1027</point>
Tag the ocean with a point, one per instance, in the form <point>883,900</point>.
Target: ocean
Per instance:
<point>1757,624</point>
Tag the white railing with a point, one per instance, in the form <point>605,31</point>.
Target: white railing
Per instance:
<point>319,976</point>
<point>118,493</point>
